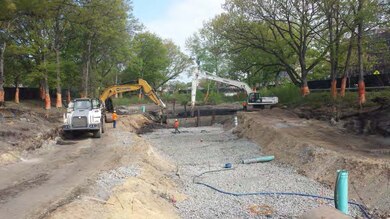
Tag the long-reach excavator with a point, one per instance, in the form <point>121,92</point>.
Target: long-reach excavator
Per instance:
<point>253,98</point>
<point>116,89</point>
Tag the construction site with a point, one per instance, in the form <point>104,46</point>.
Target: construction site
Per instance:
<point>145,109</point>
<point>144,169</point>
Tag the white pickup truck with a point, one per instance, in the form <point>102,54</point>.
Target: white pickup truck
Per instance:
<point>84,115</point>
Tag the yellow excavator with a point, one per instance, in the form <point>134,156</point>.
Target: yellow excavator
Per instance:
<point>116,89</point>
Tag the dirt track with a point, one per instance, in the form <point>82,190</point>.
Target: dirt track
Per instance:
<point>67,180</point>
<point>48,179</point>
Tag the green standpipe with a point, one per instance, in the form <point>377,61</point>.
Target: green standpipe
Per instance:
<point>341,191</point>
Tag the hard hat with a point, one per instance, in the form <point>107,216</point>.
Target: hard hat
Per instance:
<point>114,111</point>
<point>175,119</point>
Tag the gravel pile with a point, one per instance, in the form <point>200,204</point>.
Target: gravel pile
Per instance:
<point>208,148</point>
<point>108,180</point>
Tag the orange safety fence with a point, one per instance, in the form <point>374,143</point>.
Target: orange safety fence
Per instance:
<point>362,92</point>
<point>305,90</point>
<point>47,101</point>
<point>59,100</point>
<point>343,86</point>
<point>333,89</point>
<point>17,95</point>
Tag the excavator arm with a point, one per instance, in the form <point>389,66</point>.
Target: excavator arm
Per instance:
<point>142,84</point>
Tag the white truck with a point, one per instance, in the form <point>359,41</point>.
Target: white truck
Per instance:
<point>84,115</point>
<point>254,98</point>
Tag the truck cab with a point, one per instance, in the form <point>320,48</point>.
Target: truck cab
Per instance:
<point>84,115</point>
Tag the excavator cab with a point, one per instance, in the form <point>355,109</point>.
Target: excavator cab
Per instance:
<point>116,89</point>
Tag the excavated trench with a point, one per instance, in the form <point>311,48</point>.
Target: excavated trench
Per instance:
<point>203,117</point>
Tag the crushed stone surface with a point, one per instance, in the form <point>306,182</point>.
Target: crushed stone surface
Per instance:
<point>197,150</point>
<point>106,181</point>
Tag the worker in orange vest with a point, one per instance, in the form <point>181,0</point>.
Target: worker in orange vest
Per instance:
<point>114,118</point>
<point>176,126</point>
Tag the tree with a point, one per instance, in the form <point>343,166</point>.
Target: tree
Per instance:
<point>149,59</point>
<point>178,62</point>
<point>297,23</point>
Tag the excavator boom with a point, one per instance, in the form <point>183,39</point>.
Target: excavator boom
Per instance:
<point>142,84</point>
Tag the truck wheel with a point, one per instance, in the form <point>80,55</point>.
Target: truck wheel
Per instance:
<point>97,134</point>
<point>102,125</point>
<point>68,135</point>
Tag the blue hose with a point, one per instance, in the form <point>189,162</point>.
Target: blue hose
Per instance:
<point>273,193</point>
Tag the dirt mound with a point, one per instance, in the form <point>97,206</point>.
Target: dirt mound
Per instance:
<point>25,129</point>
<point>369,121</point>
<point>133,123</point>
<point>374,122</point>
<point>318,150</point>
<point>151,194</point>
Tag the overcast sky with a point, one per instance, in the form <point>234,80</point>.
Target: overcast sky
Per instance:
<point>176,19</point>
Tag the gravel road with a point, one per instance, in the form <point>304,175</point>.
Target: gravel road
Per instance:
<point>197,150</point>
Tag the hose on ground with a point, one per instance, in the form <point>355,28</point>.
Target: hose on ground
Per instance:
<point>361,207</point>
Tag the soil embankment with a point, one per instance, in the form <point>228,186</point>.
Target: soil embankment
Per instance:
<point>317,150</point>
<point>26,127</point>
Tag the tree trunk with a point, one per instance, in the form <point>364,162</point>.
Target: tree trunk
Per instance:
<point>58,80</point>
<point>42,90</point>
<point>86,65</point>
<point>304,87</point>
<point>68,98</point>
<point>362,90</point>
<point>347,61</point>
<point>47,92</point>
<point>2,50</point>
<point>17,90</point>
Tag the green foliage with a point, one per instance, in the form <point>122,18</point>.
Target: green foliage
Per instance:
<point>290,96</point>
<point>128,101</point>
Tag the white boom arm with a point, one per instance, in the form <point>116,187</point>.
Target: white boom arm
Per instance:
<point>197,74</point>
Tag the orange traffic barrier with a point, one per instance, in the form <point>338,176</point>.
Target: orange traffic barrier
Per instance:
<point>59,100</point>
<point>343,86</point>
<point>305,90</point>
<point>333,89</point>
<point>17,95</point>
<point>47,101</point>
<point>362,92</point>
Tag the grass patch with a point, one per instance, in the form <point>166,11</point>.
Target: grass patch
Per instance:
<point>290,96</point>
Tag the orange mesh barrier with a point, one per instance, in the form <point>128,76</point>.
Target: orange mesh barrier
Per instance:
<point>305,90</point>
<point>1,96</point>
<point>17,95</point>
<point>343,86</point>
<point>59,100</point>
<point>47,102</point>
<point>362,92</point>
<point>333,89</point>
